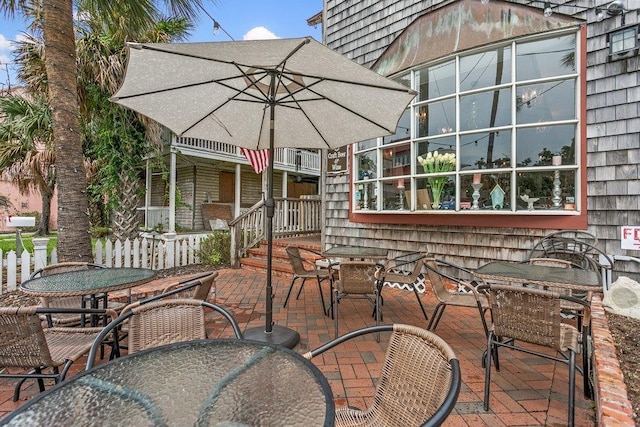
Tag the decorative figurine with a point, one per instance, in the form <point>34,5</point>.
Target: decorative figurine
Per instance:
<point>497,197</point>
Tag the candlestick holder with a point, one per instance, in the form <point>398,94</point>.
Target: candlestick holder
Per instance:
<point>400,198</point>
<point>365,202</point>
<point>556,199</point>
<point>476,194</point>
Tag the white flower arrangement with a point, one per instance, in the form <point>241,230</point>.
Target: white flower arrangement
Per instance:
<point>435,162</point>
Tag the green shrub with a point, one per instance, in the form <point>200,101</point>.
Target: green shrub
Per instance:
<point>216,249</point>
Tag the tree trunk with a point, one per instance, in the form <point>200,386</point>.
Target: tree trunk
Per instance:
<point>45,217</point>
<point>125,223</point>
<point>74,242</point>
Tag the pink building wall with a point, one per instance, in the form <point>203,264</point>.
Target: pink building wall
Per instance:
<point>25,203</point>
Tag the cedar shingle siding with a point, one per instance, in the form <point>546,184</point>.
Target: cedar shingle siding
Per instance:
<point>362,30</point>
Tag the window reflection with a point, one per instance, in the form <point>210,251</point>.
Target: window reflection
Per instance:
<point>546,190</point>
<point>485,150</point>
<point>537,146</point>
<point>544,102</point>
<point>485,69</point>
<point>367,165</point>
<point>546,58</point>
<point>485,110</point>
<point>396,160</point>
<point>436,118</point>
<point>436,81</point>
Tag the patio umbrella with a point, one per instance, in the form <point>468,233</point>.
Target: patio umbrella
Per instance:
<point>262,94</point>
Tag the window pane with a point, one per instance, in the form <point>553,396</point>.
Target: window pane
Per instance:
<point>425,198</point>
<point>404,80</point>
<point>546,190</point>
<point>536,146</point>
<point>395,194</point>
<point>442,145</point>
<point>436,118</point>
<point>365,196</point>
<point>367,165</point>
<point>546,58</point>
<point>546,102</point>
<point>369,143</point>
<point>486,150</point>
<point>436,81</point>
<point>485,69</point>
<point>486,184</point>
<point>403,131</point>
<point>485,110</point>
<point>396,160</point>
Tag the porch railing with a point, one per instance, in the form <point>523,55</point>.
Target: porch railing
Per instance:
<point>291,217</point>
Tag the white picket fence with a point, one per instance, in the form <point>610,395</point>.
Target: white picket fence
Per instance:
<point>155,252</point>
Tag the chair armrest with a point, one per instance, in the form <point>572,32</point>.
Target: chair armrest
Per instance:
<point>402,260</point>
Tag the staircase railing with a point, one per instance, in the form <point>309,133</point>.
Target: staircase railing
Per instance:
<point>291,217</point>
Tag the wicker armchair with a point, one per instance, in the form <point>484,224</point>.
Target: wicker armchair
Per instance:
<point>304,268</point>
<point>199,287</point>
<point>405,269</point>
<point>24,343</point>
<point>529,315</point>
<point>162,321</point>
<point>69,319</point>
<point>419,381</point>
<point>465,295</point>
<point>361,280</point>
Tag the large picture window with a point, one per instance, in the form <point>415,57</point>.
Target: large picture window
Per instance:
<point>493,131</point>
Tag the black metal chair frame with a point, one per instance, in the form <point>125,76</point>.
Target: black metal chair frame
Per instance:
<point>494,342</point>
<point>456,377</point>
<point>311,270</point>
<point>394,273</point>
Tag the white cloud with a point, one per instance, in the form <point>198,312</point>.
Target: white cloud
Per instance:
<point>259,33</point>
<point>4,43</point>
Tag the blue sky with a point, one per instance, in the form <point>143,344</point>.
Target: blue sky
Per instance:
<point>242,19</point>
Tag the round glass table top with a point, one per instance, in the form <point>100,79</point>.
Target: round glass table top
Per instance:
<point>84,282</point>
<point>210,382</point>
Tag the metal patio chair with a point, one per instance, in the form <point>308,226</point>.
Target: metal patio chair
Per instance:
<point>162,321</point>
<point>529,315</point>
<point>419,381</point>
<point>24,343</point>
<point>303,268</point>
<point>464,296</point>
<point>361,280</point>
<point>405,270</point>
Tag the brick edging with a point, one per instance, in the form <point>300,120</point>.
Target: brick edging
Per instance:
<point>612,403</point>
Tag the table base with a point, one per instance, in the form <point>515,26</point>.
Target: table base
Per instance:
<point>279,335</point>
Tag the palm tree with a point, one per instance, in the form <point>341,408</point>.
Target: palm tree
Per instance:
<point>128,17</point>
<point>26,154</point>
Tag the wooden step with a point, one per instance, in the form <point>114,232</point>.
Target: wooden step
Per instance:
<point>256,258</point>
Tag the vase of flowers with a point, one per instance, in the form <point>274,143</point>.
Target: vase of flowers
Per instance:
<point>435,162</point>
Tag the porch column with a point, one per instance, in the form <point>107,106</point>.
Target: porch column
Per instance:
<point>147,194</point>
<point>238,192</point>
<point>172,188</point>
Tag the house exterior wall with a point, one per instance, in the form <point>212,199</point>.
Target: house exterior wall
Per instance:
<point>24,203</point>
<point>362,30</point>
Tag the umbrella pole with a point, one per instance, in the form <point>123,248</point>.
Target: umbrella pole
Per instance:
<point>271,333</point>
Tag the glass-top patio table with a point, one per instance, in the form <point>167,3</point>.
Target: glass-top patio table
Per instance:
<point>223,382</point>
<point>87,282</point>
<point>514,272</point>
<point>353,252</point>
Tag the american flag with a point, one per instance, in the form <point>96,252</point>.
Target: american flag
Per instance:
<point>258,159</point>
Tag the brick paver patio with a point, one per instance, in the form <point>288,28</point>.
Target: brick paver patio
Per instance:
<point>528,391</point>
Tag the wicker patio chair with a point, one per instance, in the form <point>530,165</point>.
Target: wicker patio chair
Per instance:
<point>24,343</point>
<point>361,280</point>
<point>464,296</point>
<point>304,268</point>
<point>529,315</point>
<point>162,321</point>
<point>199,287</point>
<point>67,319</point>
<point>419,381</point>
<point>405,270</point>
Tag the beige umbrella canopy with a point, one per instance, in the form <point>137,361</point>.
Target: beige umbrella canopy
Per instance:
<point>261,94</point>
